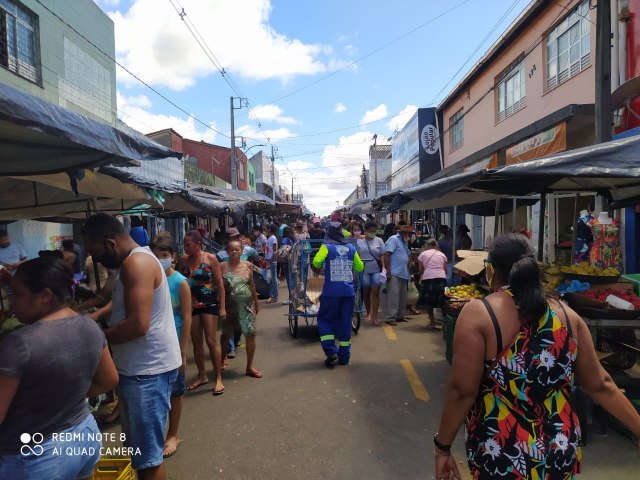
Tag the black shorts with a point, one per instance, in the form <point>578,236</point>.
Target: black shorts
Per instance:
<point>208,310</point>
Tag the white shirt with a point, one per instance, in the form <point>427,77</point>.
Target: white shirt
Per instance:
<point>158,351</point>
<point>271,247</point>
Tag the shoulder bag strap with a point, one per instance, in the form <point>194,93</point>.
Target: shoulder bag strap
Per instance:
<point>374,257</point>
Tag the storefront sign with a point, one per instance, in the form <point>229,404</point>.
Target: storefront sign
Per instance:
<point>416,150</point>
<point>545,143</point>
<point>488,162</point>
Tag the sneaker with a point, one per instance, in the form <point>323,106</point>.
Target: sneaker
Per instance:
<point>286,302</point>
<point>231,355</point>
<point>331,359</point>
<point>402,320</point>
<point>391,322</point>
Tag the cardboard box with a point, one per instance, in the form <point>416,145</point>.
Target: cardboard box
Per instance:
<point>472,262</point>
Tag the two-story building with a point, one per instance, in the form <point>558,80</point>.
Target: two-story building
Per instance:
<point>532,94</point>
<point>211,158</point>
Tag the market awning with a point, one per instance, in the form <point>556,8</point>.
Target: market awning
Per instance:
<point>611,168</point>
<point>291,208</point>
<point>38,137</point>
<point>250,200</point>
<point>362,206</point>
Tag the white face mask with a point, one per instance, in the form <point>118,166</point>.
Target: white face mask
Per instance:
<point>357,232</point>
<point>165,262</point>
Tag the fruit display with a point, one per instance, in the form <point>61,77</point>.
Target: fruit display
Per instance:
<point>601,296</point>
<point>587,269</point>
<point>463,292</point>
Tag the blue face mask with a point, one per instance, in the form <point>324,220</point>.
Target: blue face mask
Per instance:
<point>166,263</point>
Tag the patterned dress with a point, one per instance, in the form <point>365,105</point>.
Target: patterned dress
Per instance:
<point>240,280</point>
<point>606,251</point>
<point>522,425</point>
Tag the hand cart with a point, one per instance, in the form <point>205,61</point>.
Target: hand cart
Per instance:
<point>304,301</point>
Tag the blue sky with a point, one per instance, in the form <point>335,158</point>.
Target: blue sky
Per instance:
<point>272,53</point>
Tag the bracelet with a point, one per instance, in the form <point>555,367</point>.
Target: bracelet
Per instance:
<point>444,448</point>
<point>442,454</point>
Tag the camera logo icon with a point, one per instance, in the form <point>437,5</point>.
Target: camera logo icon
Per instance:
<point>35,449</point>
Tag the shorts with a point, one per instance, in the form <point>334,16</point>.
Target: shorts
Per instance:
<point>144,409</point>
<point>371,280</point>
<point>208,310</point>
<point>61,458</point>
<point>180,387</point>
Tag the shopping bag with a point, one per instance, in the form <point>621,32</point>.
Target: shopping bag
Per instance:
<point>262,287</point>
<point>412,294</point>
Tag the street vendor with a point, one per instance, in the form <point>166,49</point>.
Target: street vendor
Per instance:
<point>338,295</point>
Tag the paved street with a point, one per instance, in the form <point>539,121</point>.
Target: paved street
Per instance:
<point>360,421</point>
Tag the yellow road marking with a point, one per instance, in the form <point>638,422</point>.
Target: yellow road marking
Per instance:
<point>418,388</point>
<point>388,331</point>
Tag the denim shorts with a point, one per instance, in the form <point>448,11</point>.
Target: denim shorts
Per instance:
<point>57,458</point>
<point>144,409</point>
<point>371,280</point>
<point>180,387</point>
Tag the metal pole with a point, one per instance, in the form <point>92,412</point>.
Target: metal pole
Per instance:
<point>513,215</point>
<point>603,72</point>
<point>273,176</point>
<point>574,240</point>
<point>234,176</point>
<point>454,223</point>
<point>543,208</point>
<point>496,219</point>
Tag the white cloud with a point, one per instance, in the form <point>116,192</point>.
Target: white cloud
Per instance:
<point>400,120</point>
<point>342,166</point>
<point>339,108</point>
<point>376,114</point>
<point>252,132</point>
<point>272,113</point>
<point>153,42</point>
<point>133,111</point>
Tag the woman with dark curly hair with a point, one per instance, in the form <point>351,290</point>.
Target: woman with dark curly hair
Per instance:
<point>515,356</point>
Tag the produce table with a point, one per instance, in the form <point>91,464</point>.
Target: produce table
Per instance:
<point>595,323</point>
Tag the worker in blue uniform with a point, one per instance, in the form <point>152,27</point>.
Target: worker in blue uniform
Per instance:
<point>336,303</point>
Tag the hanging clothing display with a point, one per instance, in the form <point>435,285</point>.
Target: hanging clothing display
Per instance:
<point>584,239</point>
<point>605,251</point>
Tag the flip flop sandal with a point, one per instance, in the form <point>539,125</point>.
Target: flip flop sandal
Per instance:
<point>197,384</point>
<point>171,454</point>
<point>255,374</point>
<point>217,393</point>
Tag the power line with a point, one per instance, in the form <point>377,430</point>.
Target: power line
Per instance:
<point>129,71</point>
<point>493,29</point>
<point>216,63</point>
<point>391,42</point>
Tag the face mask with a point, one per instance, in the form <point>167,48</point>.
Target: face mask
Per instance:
<point>357,232</point>
<point>109,259</point>
<point>370,235</point>
<point>166,263</point>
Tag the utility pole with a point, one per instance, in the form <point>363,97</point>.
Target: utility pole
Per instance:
<point>603,72</point>
<point>273,176</point>
<point>292,188</point>
<point>234,174</point>
<point>375,166</point>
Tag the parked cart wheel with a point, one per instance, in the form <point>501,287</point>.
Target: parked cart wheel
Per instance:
<point>355,323</point>
<point>293,320</point>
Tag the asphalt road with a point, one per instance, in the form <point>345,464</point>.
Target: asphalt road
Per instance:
<point>373,419</point>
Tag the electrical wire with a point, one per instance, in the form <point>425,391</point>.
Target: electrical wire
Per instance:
<point>129,71</point>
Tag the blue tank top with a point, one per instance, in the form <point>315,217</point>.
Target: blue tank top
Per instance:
<point>338,272</point>
<point>175,280</point>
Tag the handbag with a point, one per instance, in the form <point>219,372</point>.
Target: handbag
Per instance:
<point>374,257</point>
<point>282,254</point>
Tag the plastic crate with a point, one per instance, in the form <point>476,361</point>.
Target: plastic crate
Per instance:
<point>113,469</point>
<point>635,279</point>
<point>448,328</point>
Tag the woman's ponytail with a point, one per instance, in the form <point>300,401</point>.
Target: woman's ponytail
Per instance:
<point>524,280</point>
<point>513,259</point>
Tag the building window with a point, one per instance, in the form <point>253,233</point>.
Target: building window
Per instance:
<point>569,46</point>
<point>19,49</point>
<point>511,92</point>
<point>456,129</point>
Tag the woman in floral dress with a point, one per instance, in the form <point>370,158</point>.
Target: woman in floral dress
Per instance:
<point>239,273</point>
<point>515,356</point>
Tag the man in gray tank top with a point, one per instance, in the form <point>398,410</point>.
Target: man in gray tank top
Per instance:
<point>141,333</point>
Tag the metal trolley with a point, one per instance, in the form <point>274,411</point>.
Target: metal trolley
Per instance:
<point>305,287</point>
